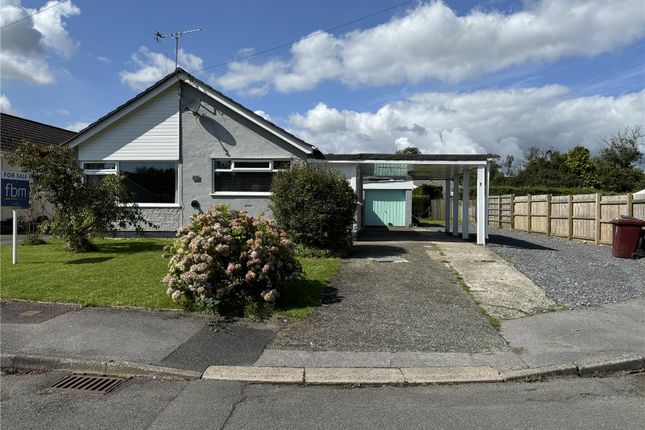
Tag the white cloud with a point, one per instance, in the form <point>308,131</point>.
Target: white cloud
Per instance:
<point>77,125</point>
<point>432,42</point>
<point>263,114</point>
<point>497,121</point>
<point>103,59</point>
<point>25,45</point>
<point>152,66</point>
<point>5,104</point>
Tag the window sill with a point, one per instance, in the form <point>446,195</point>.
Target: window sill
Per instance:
<point>242,193</point>
<point>155,205</point>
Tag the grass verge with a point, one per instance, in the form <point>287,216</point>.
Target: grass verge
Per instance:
<point>303,297</point>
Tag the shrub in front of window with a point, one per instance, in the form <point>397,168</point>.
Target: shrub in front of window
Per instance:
<point>316,205</point>
<point>226,260</point>
<point>81,209</point>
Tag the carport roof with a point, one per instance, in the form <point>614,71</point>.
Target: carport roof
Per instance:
<point>408,157</point>
<point>415,166</point>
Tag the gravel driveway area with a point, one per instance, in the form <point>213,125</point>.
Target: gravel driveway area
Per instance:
<point>410,305</point>
<point>574,273</point>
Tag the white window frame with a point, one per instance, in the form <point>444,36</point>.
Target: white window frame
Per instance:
<point>116,171</point>
<point>233,168</point>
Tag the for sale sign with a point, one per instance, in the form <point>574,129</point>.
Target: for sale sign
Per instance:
<point>15,189</point>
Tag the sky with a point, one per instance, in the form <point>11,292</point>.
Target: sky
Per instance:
<point>347,76</point>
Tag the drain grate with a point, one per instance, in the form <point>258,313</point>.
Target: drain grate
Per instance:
<point>88,383</point>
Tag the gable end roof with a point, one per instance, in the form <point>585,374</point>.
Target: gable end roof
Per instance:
<point>180,75</point>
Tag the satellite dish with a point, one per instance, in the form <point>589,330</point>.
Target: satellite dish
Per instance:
<point>193,106</point>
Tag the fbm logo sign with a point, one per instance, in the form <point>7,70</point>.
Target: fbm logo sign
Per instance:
<point>15,189</point>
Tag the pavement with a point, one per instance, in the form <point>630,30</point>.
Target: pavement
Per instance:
<point>433,333</point>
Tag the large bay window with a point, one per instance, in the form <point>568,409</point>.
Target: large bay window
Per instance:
<point>245,176</point>
<point>150,182</point>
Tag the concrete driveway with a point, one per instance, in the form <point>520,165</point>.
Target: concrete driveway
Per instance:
<point>392,297</point>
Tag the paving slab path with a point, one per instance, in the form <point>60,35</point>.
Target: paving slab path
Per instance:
<point>504,291</point>
<point>392,297</point>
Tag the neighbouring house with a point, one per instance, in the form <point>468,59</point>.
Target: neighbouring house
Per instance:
<point>13,131</point>
<point>183,146</point>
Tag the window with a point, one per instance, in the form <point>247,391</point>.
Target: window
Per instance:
<point>95,171</point>
<point>245,176</point>
<point>149,182</point>
<point>99,166</point>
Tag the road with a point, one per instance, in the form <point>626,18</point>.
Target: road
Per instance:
<point>588,403</point>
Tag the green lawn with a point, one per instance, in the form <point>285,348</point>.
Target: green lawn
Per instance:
<point>302,297</point>
<point>126,272</point>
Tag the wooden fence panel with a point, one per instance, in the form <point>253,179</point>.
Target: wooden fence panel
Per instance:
<point>584,210</point>
<point>638,205</point>
<point>506,211</point>
<point>583,216</point>
<point>610,207</point>
<point>560,216</point>
<point>539,212</point>
<point>437,210</point>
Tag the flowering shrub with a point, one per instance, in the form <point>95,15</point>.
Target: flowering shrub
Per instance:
<point>226,260</point>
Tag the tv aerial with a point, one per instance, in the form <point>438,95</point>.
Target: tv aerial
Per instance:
<point>176,35</point>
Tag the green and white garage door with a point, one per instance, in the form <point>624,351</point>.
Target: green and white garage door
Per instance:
<point>385,207</point>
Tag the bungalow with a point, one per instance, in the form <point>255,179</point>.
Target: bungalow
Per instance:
<point>183,146</point>
<point>14,130</point>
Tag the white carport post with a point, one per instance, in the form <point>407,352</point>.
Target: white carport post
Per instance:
<point>446,206</point>
<point>465,205</point>
<point>455,205</point>
<point>481,205</point>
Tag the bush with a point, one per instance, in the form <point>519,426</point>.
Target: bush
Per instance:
<point>420,206</point>
<point>226,261</point>
<point>316,205</point>
<point>33,239</point>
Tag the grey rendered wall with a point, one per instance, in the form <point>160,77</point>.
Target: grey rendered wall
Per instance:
<point>166,219</point>
<point>221,133</point>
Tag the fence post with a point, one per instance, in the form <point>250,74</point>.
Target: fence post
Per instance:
<point>499,211</point>
<point>548,215</point>
<point>528,213</point>
<point>570,218</point>
<point>630,204</point>
<point>598,215</point>
<point>512,211</point>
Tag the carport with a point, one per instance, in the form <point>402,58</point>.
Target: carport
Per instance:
<point>453,169</point>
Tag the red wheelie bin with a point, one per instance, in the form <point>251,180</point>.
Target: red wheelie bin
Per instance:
<point>627,232</point>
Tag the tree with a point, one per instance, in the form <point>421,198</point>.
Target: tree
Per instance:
<point>544,168</point>
<point>508,165</point>
<point>315,205</point>
<point>80,209</point>
<point>410,150</point>
<point>618,162</point>
<point>578,161</point>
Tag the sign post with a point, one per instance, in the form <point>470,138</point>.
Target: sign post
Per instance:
<point>14,192</point>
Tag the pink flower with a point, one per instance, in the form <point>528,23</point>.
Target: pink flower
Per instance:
<point>230,268</point>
